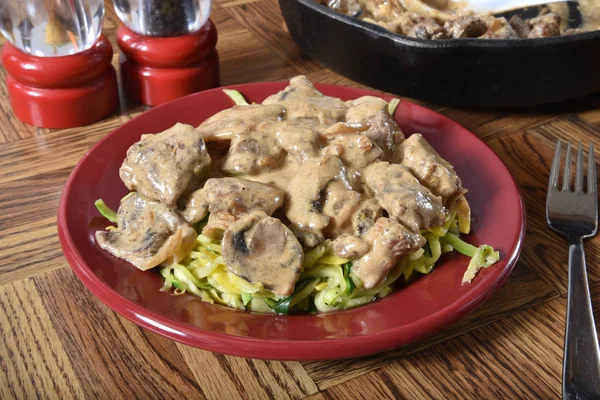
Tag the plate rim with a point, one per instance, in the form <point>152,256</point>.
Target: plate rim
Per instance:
<point>282,349</point>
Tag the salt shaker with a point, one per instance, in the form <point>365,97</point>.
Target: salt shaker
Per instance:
<point>58,62</point>
<point>168,48</point>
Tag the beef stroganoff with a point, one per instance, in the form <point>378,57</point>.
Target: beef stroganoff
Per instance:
<point>449,19</point>
<point>307,204</point>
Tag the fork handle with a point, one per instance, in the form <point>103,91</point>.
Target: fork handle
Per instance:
<point>581,368</point>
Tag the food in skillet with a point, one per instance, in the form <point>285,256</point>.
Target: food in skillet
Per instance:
<point>315,204</point>
<point>447,19</point>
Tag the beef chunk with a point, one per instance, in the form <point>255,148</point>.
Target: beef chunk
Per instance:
<point>466,27</point>
<point>239,120</point>
<point>545,26</point>
<point>166,165</point>
<point>435,173</point>
<point>303,102</point>
<point>520,26</point>
<point>299,141</point>
<point>192,207</point>
<point>356,150</point>
<point>382,128</point>
<point>307,194</point>
<point>428,29</point>
<point>228,199</point>
<point>349,246</point>
<point>403,197</point>
<point>388,241</point>
<point>253,153</point>
<point>499,28</point>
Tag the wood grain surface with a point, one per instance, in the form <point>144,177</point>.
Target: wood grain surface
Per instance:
<point>60,342</point>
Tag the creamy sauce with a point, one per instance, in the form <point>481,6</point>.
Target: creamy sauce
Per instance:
<point>590,11</point>
<point>328,169</point>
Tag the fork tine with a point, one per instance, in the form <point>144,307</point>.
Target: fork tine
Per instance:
<point>553,181</point>
<point>591,186</point>
<point>567,172</point>
<point>579,170</point>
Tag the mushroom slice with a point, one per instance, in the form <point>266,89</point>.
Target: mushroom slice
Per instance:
<point>261,249</point>
<point>388,242</point>
<point>148,234</point>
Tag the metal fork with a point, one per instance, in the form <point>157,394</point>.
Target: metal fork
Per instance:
<point>574,214</point>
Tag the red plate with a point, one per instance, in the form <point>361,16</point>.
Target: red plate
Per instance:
<point>427,305</point>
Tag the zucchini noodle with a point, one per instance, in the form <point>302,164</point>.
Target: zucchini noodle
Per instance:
<point>236,97</point>
<point>392,105</point>
<point>326,282</point>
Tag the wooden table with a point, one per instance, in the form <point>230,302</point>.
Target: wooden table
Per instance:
<point>59,341</point>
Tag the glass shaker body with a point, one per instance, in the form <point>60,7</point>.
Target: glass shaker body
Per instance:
<point>163,17</point>
<point>47,28</point>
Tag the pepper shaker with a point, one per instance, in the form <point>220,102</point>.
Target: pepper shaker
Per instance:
<point>168,48</point>
<point>58,62</point>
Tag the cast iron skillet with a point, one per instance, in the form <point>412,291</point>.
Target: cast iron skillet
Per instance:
<point>460,72</point>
